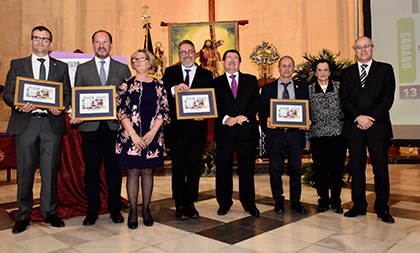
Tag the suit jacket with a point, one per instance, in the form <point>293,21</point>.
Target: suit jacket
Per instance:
<point>173,76</point>
<point>247,103</point>
<point>270,91</point>
<point>374,100</point>
<point>87,75</point>
<point>58,72</point>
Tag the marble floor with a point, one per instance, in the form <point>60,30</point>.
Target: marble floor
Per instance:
<point>235,232</point>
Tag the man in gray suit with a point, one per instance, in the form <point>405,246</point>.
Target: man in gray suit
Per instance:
<point>37,130</point>
<point>98,137</point>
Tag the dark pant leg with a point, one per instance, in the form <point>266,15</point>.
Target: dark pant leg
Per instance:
<point>276,155</point>
<point>321,158</point>
<point>92,144</point>
<point>178,146</point>
<point>245,152</point>
<point>195,151</point>
<point>338,150</point>
<point>357,148</point>
<point>27,146</point>
<point>224,184</point>
<point>378,152</point>
<point>112,171</point>
<point>294,164</point>
<point>49,165</point>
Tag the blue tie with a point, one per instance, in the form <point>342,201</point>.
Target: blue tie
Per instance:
<point>102,74</point>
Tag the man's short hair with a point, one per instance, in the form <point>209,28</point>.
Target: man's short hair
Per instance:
<point>110,36</point>
<point>186,42</point>
<point>149,57</point>
<point>286,56</point>
<point>41,28</point>
<point>231,51</point>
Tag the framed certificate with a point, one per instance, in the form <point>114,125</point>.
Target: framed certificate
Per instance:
<point>289,113</point>
<point>41,93</point>
<point>196,103</point>
<point>94,103</point>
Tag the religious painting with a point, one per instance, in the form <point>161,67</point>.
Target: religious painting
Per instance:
<point>195,103</point>
<point>43,94</point>
<point>289,113</point>
<point>211,40</point>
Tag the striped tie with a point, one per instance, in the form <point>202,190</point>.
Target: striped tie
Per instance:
<point>363,75</point>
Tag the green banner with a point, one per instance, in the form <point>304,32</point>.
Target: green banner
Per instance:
<point>406,50</point>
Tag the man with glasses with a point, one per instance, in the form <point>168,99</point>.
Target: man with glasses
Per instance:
<point>98,137</point>
<point>37,130</point>
<point>367,94</point>
<point>282,141</point>
<point>236,129</point>
<point>186,137</point>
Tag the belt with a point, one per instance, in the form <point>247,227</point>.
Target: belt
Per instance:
<point>39,114</point>
<point>286,129</point>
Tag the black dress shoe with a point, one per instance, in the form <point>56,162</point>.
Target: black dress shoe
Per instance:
<point>90,219</point>
<point>20,226</point>
<point>180,213</point>
<point>55,221</point>
<point>279,207</point>
<point>297,207</point>
<point>223,211</point>
<point>148,223</point>
<point>338,210</point>
<point>322,209</point>
<point>386,217</point>
<point>192,212</point>
<point>354,212</point>
<point>132,225</point>
<point>117,217</point>
<point>254,211</point>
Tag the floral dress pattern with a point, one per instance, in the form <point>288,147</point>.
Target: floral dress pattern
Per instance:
<point>143,103</point>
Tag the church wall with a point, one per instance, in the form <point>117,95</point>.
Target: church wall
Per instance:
<point>293,27</point>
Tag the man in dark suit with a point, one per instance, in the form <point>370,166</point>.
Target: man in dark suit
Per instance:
<point>367,93</point>
<point>236,129</point>
<point>282,141</point>
<point>37,130</point>
<point>186,137</point>
<point>98,137</point>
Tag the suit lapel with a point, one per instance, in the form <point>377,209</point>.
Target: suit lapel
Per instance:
<point>28,66</point>
<point>372,73</point>
<point>95,73</point>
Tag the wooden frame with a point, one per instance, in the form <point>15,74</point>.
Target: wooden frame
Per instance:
<point>94,103</point>
<point>41,93</point>
<point>196,103</point>
<point>293,113</point>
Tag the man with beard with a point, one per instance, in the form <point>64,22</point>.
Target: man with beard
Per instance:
<point>186,137</point>
<point>37,130</point>
<point>98,137</point>
<point>209,58</point>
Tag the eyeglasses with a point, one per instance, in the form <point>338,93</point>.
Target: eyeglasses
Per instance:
<point>232,59</point>
<point>184,52</point>
<point>141,59</point>
<point>43,39</point>
<point>366,46</point>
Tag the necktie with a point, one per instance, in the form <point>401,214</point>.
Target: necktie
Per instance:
<point>42,69</point>
<point>285,91</point>
<point>102,74</point>
<point>187,77</point>
<point>234,85</point>
<point>363,75</point>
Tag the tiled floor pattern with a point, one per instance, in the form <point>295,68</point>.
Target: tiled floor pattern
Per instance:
<point>235,232</point>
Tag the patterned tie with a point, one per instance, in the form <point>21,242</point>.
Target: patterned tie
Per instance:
<point>187,77</point>
<point>42,75</point>
<point>234,85</point>
<point>102,74</point>
<point>363,75</point>
<point>285,91</point>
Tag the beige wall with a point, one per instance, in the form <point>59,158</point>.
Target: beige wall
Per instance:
<point>293,27</point>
